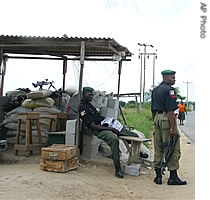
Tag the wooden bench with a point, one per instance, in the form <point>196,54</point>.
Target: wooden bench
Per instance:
<point>134,148</point>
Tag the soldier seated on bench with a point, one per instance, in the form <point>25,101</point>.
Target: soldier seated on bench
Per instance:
<point>92,119</point>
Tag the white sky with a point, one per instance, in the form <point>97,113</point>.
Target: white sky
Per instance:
<point>167,25</point>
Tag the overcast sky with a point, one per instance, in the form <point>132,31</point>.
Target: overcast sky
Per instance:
<point>168,25</point>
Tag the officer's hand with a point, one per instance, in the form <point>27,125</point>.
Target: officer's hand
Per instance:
<point>172,132</point>
<point>116,131</point>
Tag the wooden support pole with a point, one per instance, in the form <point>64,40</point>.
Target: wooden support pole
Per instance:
<point>82,56</point>
<point>64,73</point>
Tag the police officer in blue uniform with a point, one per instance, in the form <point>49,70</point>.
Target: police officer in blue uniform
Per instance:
<point>92,119</point>
<point>162,108</point>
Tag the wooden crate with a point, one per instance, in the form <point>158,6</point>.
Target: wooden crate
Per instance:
<point>59,166</point>
<point>59,152</point>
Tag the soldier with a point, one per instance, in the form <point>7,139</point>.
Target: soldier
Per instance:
<point>92,119</point>
<point>163,107</point>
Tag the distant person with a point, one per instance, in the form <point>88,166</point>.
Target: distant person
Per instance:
<point>182,111</point>
<point>163,106</point>
<point>92,119</point>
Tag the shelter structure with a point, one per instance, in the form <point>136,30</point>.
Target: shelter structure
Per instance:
<point>61,48</point>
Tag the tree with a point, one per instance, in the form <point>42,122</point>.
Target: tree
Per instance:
<point>178,96</point>
<point>148,94</point>
<point>122,103</point>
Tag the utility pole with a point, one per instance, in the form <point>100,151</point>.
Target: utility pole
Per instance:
<point>140,82</point>
<point>144,75</point>
<point>153,78</point>
<point>187,90</point>
<point>144,70</point>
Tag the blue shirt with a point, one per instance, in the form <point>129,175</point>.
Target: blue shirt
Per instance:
<point>163,98</point>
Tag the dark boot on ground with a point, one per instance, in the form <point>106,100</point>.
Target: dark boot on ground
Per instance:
<point>158,178</point>
<point>118,171</point>
<point>174,179</point>
<point>143,155</point>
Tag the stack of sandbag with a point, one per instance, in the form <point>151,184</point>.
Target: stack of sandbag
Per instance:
<point>11,122</point>
<point>37,101</point>
<point>15,93</point>
<point>40,101</point>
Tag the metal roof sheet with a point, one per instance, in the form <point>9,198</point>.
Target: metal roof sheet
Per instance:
<point>61,46</point>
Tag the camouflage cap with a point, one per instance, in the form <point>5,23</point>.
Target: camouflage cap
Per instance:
<point>87,90</point>
<point>168,72</point>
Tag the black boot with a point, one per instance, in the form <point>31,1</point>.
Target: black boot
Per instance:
<point>158,178</point>
<point>118,171</point>
<point>143,155</point>
<point>174,179</point>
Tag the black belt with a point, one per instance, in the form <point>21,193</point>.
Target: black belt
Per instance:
<point>161,112</point>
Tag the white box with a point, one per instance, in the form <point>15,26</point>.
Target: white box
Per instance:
<point>70,139</point>
<point>71,126</point>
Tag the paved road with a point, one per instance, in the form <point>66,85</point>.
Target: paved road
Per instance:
<point>189,126</point>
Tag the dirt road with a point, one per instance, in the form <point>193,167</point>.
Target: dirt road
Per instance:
<point>22,179</point>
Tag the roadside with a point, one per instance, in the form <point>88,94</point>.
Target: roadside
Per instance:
<point>22,179</point>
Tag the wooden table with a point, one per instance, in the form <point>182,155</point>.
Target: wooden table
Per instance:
<point>134,148</point>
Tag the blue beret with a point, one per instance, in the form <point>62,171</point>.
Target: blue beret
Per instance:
<point>168,72</point>
<point>87,89</point>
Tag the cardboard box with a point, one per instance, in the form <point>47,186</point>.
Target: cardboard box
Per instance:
<point>59,166</point>
<point>59,152</point>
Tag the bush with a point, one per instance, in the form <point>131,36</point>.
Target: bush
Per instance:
<point>141,121</point>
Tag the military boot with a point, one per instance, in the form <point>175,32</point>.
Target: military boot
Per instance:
<point>158,178</point>
<point>118,171</point>
<point>174,179</point>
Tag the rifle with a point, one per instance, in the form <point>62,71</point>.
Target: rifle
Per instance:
<point>41,83</point>
<point>170,145</point>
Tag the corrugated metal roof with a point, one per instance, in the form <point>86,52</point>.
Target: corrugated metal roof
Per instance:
<point>61,46</point>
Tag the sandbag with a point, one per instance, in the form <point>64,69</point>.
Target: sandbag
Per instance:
<point>11,133</point>
<point>46,110</point>
<point>15,93</point>
<point>39,94</point>
<point>13,126</point>
<point>19,109</point>
<point>10,118</point>
<point>34,103</point>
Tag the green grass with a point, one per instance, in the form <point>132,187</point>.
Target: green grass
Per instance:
<point>141,121</point>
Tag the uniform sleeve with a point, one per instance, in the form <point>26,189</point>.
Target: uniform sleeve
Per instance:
<point>170,98</point>
<point>87,119</point>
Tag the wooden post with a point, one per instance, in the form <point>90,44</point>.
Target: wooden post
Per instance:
<point>64,72</point>
<point>119,76</point>
<point>82,58</point>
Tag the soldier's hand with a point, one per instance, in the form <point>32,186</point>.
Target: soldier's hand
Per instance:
<point>116,131</point>
<point>172,132</point>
